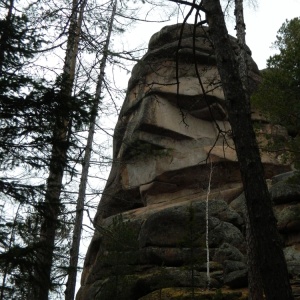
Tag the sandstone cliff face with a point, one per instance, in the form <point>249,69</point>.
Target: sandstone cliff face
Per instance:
<point>172,133</point>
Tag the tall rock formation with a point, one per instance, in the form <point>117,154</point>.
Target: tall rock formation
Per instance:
<point>174,163</point>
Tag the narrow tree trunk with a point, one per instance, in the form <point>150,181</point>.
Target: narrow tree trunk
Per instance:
<point>208,279</point>
<point>74,251</point>
<point>267,245</point>
<point>5,270</point>
<point>241,39</point>
<point>3,48</point>
<point>5,34</point>
<point>254,278</point>
<point>58,160</point>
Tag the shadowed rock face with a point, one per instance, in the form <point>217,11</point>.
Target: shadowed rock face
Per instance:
<point>171,133</point>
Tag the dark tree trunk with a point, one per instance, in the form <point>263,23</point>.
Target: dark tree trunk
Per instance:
<point>256,291</point>
<point>255,285</point>
<point>74,251</point>
<point>58,159</point>
<point>5,33</point>
<point>263,229</point>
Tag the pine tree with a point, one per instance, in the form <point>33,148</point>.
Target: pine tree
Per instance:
<point>58,160</point>
<point>25,116</point>
<point>74,252</point>
<point>278,95</point>
<point>41,136</point>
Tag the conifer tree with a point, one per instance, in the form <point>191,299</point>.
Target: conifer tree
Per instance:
<point>38,142</point>
<point>58,159</point>
<point>76,236</point>
<point>278,95</point>
<point>26,116</point>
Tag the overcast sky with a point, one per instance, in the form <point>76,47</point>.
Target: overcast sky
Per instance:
<point>262,24</point>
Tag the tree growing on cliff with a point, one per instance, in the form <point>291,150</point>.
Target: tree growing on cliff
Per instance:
<point>266,242</point>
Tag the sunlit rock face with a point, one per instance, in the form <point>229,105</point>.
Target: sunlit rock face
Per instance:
<point>172,153</point>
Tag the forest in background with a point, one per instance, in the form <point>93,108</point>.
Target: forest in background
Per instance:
<point>58,95</point>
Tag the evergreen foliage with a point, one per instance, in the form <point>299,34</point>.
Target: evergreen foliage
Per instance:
<point>25,114</point>
<point>37,105</point>
<point>279,93</point>
<point>29,109</point>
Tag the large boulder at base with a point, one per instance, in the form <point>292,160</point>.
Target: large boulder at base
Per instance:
<point>173,204</point>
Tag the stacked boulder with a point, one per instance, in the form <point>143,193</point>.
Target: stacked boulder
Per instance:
<point>173,204</point>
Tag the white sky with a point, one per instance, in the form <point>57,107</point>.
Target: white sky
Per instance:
<point>262,23</point>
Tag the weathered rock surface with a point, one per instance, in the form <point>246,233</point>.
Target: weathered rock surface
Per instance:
<point>150,228</point>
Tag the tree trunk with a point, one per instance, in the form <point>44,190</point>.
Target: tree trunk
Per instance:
<point>255,286</point>
<point>254,278</point>
<point>5,270</point>
<point>3,47</point>
<point>266,240</point>
<point>58,160</point>
<point>5,35</point>
<point>74,251</point>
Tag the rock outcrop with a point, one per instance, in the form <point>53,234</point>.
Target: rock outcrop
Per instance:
<point>174,162</point>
